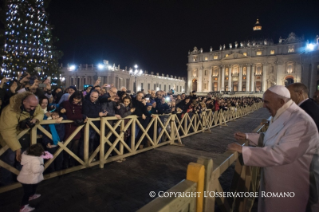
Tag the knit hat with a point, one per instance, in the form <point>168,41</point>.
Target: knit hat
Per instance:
<point>148,104</point>
<point>73,87</point>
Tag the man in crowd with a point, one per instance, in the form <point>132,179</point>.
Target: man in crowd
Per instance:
<point>299,94</point>
<point>285,152</point>
<point>22,106</point>
<point>109,102</point>
<point>153,95</point>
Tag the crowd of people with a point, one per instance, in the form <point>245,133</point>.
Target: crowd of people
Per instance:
<point>78,105</point>
<point>27,101</point>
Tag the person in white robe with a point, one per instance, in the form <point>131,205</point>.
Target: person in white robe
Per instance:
<point>289,146</point>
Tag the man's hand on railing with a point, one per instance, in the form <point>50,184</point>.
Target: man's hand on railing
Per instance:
<point>143,116</point>
<point>101,114</point>
<point>132,110</point>
<point>235,147</point>
<point>118,116</point>
<point>85,120</point>
<point>240,136</point>
<point>18,155</point>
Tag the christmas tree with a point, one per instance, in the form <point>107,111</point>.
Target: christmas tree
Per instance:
<point>28,41</point>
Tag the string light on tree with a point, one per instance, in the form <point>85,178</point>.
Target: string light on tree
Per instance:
<point>27,39</point>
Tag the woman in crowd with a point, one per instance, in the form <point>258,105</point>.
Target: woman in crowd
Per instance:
<point>73,111</point>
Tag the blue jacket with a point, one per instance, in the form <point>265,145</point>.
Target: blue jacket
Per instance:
<point>60,128</point>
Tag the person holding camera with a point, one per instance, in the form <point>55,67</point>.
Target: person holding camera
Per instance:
<point>23,112</point>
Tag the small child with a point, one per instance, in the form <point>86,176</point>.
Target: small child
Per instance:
<point>58,131</point>
<point>31,174</point>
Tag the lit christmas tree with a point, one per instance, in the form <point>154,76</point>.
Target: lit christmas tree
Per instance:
<point>28,44</point>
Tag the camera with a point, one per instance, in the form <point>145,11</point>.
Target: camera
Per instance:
<point>26,124</point>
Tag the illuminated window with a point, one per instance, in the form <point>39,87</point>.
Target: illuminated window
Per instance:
<point>215,57</point>
<point>272,51</point>
<point>235,71</point>
<point>206,58</point>
<point>244,78</point>
<point>226,72</point>
<point>226,78</point>
<point>215,79</point>
<point>291,49</point>
<point>244,71</point>
<point>290,68</point>
<point>259,53</point>
<point>215,86</point>
<point>259,71</point>
<point>226,55</point>
<point>245,54</point>
<point>194,58</point>
<point>215,72</point>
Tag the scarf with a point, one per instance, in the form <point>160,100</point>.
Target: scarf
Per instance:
<point>55,135</point>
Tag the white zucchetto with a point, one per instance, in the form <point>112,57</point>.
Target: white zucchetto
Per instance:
<point>280,90</point>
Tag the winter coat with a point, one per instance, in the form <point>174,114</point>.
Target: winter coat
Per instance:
<point>183,106</point>
<point>107,105</point>
<point>163,108</point>
<point>91,109</point>
<point>11,116</point>
<point>124,111</point>
<point>73,112</point>
<point>290,143</point>
<point>32,169</point>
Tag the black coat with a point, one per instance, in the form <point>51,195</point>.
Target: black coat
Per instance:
<point>312,108</point>
<point>183,106</point>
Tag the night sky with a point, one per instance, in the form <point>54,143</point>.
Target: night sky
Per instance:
<point>157,34</point>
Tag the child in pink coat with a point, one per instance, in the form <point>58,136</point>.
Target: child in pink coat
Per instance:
<point>31,174</point>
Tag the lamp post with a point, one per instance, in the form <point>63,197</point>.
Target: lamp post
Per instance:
<point>136,73</point>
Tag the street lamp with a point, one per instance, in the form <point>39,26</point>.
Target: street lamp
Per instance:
<point>136,73</point>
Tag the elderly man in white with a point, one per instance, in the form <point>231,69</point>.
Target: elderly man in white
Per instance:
<point>288,147</point>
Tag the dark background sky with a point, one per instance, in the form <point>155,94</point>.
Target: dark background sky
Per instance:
<point>157,34</point>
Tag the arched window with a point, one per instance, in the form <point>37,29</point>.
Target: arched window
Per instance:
<point>235,71</point>
<point>289,80</point>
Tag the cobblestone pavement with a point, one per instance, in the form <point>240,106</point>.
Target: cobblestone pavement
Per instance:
<point>126,186</point>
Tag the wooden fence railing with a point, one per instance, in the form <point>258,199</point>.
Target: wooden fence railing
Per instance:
<point>245,180</point>
<point>161,130</point>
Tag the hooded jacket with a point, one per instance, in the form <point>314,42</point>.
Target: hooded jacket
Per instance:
<point>11,116</point>
<point>32,169</point>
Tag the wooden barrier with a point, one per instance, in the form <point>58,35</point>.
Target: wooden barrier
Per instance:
<point>112,131</point>
<point>245,180</point>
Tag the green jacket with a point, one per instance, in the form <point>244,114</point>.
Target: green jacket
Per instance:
<point>11,116</point>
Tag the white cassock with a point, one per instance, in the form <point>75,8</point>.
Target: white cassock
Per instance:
<point>290,144</point>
